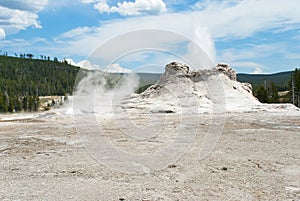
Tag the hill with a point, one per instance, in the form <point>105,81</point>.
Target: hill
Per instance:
<point>22,77</point>
<point>24,80</point>
<point>149,77</point>
<point>146,80</point>
<point>281,80</point>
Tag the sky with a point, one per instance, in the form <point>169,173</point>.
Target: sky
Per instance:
<point>253,36</point>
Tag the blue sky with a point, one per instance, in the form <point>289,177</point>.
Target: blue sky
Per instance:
<point>252,36</point>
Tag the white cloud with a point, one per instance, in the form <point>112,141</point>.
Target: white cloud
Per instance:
<point>86,64</point>
<point>77,32</point>
<point>252,51</point>
<point>141,6</point>
<point>211,4</point>
<point>102,7</point>
<point>71,62</point>
<point>28,5</point>
<point>256,68</point>
<point>243,18</point>
<point>257,71</point>
<point>16,15</point>
<point>243,57</point>
<point>138,7</point>
<point>224,21</point>
<point>2,34</point>
<point>86,43</point>
<point>88,1</point>
<point>116,68</point>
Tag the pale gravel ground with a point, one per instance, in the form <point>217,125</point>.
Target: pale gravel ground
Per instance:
<point>256,158</point>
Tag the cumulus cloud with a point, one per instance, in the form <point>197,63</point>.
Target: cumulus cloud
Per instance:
<point>86,64</point>
<point>138,7</point>
<point>103,7</point>
<point>116,68</point>
<point>16,15</point>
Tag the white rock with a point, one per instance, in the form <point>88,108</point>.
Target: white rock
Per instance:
<point>181,90</point>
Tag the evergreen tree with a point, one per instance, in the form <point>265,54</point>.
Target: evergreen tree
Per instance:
<point>23,77</point>
<point>25,103</point>
<point>11,104</point>
<point>295,87</point>
<point>18,105</point>
<point>3,103</point>
<point>262,94</point>
<point>274,98</point>
<point>30,103</point>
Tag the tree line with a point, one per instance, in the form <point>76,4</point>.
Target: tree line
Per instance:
<point>268,93</point>
<point>22,80</point>
<point>17,104</point>
<point>32,56</point>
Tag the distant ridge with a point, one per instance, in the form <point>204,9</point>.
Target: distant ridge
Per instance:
<point>281,79</point>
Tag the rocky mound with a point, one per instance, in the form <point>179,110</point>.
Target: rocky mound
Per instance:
<point>181,89</point>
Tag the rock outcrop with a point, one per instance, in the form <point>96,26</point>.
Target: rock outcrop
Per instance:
<point>227,70</point>
<point>182,89</point>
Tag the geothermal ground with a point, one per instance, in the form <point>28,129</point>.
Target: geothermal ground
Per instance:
<point>194,135</point>
<point>257,157</point>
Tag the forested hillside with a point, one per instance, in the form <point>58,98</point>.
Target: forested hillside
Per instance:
<point>281,80</point>
<point>21,77</point>
<point>23,80</point>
